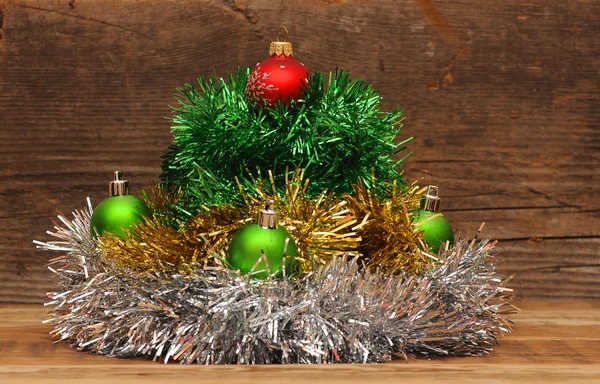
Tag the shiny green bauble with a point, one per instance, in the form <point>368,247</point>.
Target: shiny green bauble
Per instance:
<point>246,245</point>
<point>116,214</point>
<point>436,231</point>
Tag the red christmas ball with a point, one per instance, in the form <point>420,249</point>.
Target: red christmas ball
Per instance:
<point>278,78</point>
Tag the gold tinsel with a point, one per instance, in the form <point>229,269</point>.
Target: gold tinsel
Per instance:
<point>390,240</point>
<point>378,229</point>
<point>163,243</point>
<point>321,228</point>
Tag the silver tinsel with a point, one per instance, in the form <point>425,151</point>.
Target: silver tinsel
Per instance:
<point>339,314</point>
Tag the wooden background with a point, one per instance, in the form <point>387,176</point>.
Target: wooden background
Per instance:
<point>502,97</point>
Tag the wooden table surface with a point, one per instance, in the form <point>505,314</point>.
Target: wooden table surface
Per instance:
<point>552,342</point>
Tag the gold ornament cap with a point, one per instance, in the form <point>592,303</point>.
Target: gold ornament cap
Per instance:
<point>267,217</point>
<point>118,187</point>
<point>278,48</point>
<point>431,201</point>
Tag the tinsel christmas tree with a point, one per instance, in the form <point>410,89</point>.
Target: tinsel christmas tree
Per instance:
<point>347,262</point>
<point>338,134</point>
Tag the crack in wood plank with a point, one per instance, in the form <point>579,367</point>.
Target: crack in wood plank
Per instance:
<point>518,181</point>
<point>428,161</point>
<point>539,193</point>
<point>558,268</point>
<point>542,238</point>
<point>508,208</point>
<point>1,25</point>
<point>90,19</point>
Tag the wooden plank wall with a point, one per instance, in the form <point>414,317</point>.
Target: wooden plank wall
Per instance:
<point>502,97</point>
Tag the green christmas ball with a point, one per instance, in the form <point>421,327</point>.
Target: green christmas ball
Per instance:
<point>116,214</point>
<point>436,230</point>
<point>246,245</point>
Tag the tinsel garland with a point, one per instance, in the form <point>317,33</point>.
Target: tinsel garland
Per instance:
<point>377,229</point>
<point>337,313</point>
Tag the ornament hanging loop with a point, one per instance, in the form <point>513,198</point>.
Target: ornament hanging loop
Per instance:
<point>431,201</point>
<point>278,48</point>
<point>287,33</point>
<point>267,217</point>
<point>118,187</point>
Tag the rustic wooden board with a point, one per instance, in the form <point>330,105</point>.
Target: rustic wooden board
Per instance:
<point>551,342</point>
<point>502,98</point>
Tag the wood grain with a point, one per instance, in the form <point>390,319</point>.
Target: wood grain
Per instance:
<point>502,98</point>
<point>551,342</point>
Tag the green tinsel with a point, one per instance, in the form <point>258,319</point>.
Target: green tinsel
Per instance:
<point>338,133</point>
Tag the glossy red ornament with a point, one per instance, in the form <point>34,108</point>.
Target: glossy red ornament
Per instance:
<point>278,78</point>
